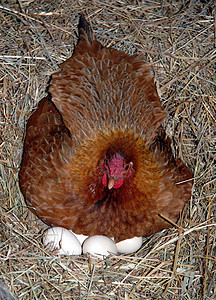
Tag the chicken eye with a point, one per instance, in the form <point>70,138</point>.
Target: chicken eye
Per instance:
<point>128,166</point>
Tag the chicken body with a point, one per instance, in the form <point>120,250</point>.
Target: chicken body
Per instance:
<point>102,113</point>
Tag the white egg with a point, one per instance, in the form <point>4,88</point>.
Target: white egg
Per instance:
<point>129,245</point>
<point>99,245</point>
<point>62,240</point>
<point>81,237</point>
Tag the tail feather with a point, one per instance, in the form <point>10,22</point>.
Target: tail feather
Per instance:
<point>85,31</point>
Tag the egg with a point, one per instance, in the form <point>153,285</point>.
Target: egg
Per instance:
<point>129,245</point>
<point>62,240</point>
<point>81,237</point>
<point>99,245</point>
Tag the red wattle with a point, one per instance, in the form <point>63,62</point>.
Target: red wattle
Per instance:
<point>117,184</point>
<point>104,180</point>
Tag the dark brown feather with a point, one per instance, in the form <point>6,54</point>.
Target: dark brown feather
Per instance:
<point>102,102</point>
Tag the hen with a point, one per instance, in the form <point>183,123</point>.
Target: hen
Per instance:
<point>96,159</point>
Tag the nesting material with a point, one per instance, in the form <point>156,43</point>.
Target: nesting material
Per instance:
<point>177,38</point>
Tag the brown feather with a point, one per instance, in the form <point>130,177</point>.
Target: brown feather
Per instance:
<point>102,102</point>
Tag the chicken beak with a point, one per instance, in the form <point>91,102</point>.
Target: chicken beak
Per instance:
<point>111,183</point>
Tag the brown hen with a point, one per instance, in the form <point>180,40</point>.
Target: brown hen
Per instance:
<point>96,159</point>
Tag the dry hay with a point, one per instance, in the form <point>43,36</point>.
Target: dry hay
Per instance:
<point>178,38</point>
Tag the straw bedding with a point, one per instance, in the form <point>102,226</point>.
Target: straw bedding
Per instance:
<point>178,39</point>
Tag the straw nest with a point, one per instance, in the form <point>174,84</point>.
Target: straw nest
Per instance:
<point>178,39</point>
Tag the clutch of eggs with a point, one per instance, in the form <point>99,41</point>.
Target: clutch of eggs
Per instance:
<point>63,241</point>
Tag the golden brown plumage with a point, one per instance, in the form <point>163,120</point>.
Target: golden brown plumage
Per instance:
<point>96,159</point>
